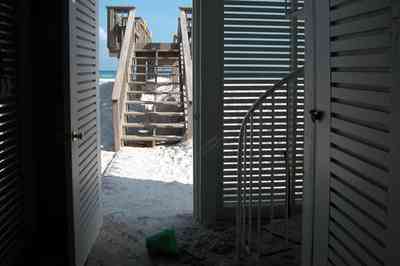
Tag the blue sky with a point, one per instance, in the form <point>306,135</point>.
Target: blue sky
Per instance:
<point>161,15</point>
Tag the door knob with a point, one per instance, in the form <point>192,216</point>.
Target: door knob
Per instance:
<point>77,136</point>
<point>316,115</point>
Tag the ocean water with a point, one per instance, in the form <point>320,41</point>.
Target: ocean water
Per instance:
<point>107,74</point>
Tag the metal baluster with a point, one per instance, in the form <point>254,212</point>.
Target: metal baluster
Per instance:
<point>272,176</point>
<point>259,183</point>
<point>288,197</point>
<point>251,180</point>
<point>244,187</point>
<point>239,198</point>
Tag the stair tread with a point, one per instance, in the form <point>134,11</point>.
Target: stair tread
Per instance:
<point>154,102</point>
<point>155,66</point>
<point>151,138</point>
<point>160,58</point>
<point>152,50</point>
<point>154,125</point>
<point>152,82</point>
<point>155,113</point>
<point>153,92</point>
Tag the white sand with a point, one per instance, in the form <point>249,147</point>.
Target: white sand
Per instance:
<point>106,158</point>
<point>162,163</point>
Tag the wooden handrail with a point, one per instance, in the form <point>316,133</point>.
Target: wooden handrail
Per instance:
<point>121,81</point>
<point>187,58</point>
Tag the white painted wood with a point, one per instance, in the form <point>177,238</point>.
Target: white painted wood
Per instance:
<point>323,97</point>
<point>310,87</point>
<point>393,232</point>
<point>208,83</point>
<point>355,218</point>
<point>85,157</point>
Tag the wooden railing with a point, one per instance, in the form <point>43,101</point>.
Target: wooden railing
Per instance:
<point>188,68</point>
<point>121,81</point>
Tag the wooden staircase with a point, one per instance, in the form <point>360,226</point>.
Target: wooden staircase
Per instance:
<point>154,107</point>
<point>152,99</point>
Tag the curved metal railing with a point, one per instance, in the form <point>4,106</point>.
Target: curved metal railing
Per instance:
<point>245,170</point>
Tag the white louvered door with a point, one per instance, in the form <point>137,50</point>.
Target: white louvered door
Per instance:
<point>355,142</point>
<point>86,187</point>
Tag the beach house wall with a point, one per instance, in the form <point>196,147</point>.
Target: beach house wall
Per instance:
<point>49,139</point>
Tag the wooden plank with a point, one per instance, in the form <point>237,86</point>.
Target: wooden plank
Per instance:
<point>121,79</point>
<point>188,68</point>
<point>153,102</point>
<point>154,125</point>
<point>154,92</point>
<point>162,114</point>
<point>152,138</point>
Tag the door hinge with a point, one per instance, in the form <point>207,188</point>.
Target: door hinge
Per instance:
<point>316,115</point>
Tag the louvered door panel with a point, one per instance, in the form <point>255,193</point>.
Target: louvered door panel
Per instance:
<point>11,194</point>
<point>84,124</point>
<point>257,54</point>
<point>361,82</point>
<point>359,132</point>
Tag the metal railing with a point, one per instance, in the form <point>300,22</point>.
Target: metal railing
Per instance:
<point>250,176</point>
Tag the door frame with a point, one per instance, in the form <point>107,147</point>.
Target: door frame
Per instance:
<point>316,175</point>
<point>207,108</point>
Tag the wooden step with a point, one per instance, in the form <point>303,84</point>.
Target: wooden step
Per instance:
<point>160,58</point>
<point>154,92</point>
<point>165,74</point>
<point>136,82</point>
<point>154,125</point>
<point>154,102</point>
<point>161,114</point>
<point>155,66</point>
<point>151,138</point>
<point>153,50</point>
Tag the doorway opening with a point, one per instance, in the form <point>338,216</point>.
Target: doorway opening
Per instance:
<point>147,125</point>
<point>145,93</point>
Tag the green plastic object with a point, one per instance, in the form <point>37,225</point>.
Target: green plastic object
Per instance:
<point>163,243</point>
